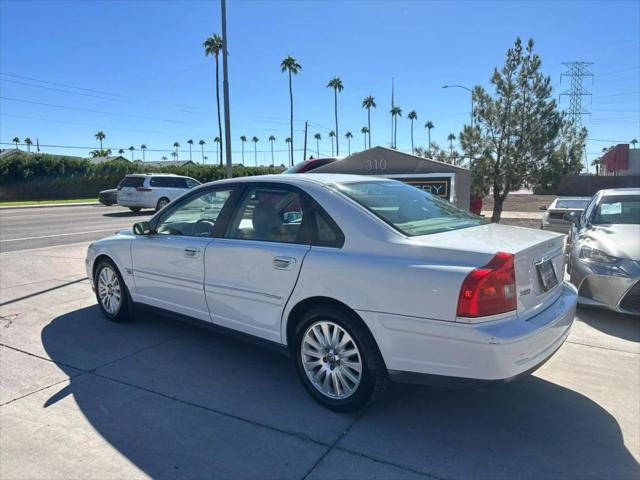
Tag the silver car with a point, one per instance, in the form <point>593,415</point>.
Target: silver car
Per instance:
<point>553,218</point>
<point>604,251</point>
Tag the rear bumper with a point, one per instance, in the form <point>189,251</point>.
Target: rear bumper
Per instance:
<point>492,351</point>
<point>559,226</point>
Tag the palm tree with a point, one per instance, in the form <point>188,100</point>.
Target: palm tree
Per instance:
<point>292,66</point>
<point>28,142</point>
<point>217,142</point>
<point>131,149</point>
<point>271,140</point>
<point>337,86</point>
<point>100,136</point>
<point>365,130</point>
<point>288,142</point>
<point>143,147</point>
<point>349,136</point>
<point>633,142</point>
<point>332,135</point>
<point>255,141</point>
<point>174,155</point>
<point>451,138</point>
<point>429,125</point>
<point>369,102</point>
<point>318,137</point>
<point>190,142</point>
<point>243,139</point>
<point>164,159</point>
<point>121,151</point>
<point>412,115</point>
<point>202,143</point>
<point>176,145</point>
<point>213,46</point>
<point>396,112</point>
<point>16,140</point>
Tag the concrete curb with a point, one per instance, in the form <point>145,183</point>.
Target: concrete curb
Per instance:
<point>50,205</point>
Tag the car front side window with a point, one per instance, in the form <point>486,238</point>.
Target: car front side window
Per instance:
<point>196,216</point>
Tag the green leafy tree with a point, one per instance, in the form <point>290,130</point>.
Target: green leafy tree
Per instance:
<point>349,136</point>
<point>143,147</point>
<point>190,142</point>
<point>396,112</point>
<point>565,160</point>
<point>255,141</point>
<point>271,140</point>
<point>429,125</point>
<point>121,151</point>
<point>332,135</point>
<point>202,143</point>
<point>213,47</point>
<point>16,140</point>
<point>106,152</point>
<point>337,86</point>
<point>243,140</point>
<point>412,115</point>
<point>369,102</point>
<point>318,137</point>
<point>515,130</point>
<point>290,65</point>
<point>28,142</point>
<point>100,136</point>
<point>365,131</point>
<point>450,139</point>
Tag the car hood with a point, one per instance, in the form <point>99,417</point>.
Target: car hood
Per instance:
<point>618,240</point>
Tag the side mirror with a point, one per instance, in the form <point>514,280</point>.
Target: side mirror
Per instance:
<point>573,217</point>
<point>141,228</point>
<point>542,207</point>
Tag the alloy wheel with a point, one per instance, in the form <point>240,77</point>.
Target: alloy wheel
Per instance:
<point>109,290</point>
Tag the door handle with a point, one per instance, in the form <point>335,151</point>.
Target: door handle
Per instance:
<point>284,263</point>
<point>191,252</point>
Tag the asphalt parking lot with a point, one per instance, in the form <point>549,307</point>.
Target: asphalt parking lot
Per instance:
<point>81,397</point>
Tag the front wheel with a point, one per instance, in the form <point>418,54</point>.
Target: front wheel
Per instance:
<point>338,360</point>
<point>163,202</point>
<point>111,292</point>
<point>135,209</point>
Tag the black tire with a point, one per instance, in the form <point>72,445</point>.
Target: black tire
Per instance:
<point>163,202</point>
<point>374,376</point>
<point>135,209</point>
<point>125,308</point>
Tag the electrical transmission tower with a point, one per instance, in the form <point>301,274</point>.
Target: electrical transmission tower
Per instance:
<point>577,71</point>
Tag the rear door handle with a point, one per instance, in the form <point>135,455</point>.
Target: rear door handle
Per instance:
<point>191,252</point>
<point>284,263</point>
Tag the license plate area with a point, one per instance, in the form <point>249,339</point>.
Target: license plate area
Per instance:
<point>546,274</point>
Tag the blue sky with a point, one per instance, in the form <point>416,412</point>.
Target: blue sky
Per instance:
<point>136,70</point>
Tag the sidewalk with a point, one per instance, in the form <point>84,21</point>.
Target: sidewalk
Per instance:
<point>519,215</point>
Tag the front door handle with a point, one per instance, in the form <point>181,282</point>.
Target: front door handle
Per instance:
<point>191,252</point>
<point>284,263</point>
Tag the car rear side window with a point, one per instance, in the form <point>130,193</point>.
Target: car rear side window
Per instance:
<point>168,182</point>
<point>131,182</point>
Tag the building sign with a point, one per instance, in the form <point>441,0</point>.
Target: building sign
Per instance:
<point>439,186</point>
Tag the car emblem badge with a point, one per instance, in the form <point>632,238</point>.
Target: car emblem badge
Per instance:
<point>524,292</point>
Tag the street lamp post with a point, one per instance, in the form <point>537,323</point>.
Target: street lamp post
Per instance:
<point>468,90</point>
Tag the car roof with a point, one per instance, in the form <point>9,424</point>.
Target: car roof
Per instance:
<point>302,178</point>
<point>620,191</point>
<point>155,175</point>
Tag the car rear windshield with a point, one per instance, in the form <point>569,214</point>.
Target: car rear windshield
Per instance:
<point>131,182</point>
<point>618,209</point>
<point>572,203</point>
<point>408,209</point>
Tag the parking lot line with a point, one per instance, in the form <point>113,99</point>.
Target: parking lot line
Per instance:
<point>61,235</point>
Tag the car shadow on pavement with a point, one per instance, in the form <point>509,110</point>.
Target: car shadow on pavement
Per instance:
<point>616,324</point>
<point>128,213</point>
<point>190,396</point>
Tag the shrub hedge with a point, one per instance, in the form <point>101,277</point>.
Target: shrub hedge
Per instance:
<point>47,177</point>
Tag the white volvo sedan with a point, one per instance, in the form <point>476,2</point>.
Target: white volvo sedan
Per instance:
<point>362,279</point>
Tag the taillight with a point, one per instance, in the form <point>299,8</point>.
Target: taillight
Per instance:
<point>142,189</point>
<point>489,290</point>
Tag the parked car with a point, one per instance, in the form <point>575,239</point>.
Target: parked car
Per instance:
<point>308,165</point>
<point>604,246</point>
<point>108,197</point>
<point>362,279</point>
<point>553,218</point>
<point>152,190</point>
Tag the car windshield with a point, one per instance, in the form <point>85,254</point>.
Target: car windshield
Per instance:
<point>572,203</point>
<point>408,209</point>
<point>618,209</point>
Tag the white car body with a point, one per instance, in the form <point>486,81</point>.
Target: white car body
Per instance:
<point>553,218</point>
<point>405,289</point>
<point>151,188</point>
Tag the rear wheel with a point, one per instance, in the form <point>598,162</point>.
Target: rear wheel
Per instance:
<point>111,292</point>
<point>135,209</point>
<point>163,202</point>
<point>338,360</point>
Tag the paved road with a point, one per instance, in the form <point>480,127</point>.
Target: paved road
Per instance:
<point>27,228</point>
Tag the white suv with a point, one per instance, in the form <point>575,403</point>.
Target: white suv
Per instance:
<point>152,190</point>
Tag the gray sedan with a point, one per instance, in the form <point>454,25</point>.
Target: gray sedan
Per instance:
<point>604,249</point>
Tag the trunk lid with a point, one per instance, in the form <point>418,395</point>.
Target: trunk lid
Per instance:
<point>528,246</point>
